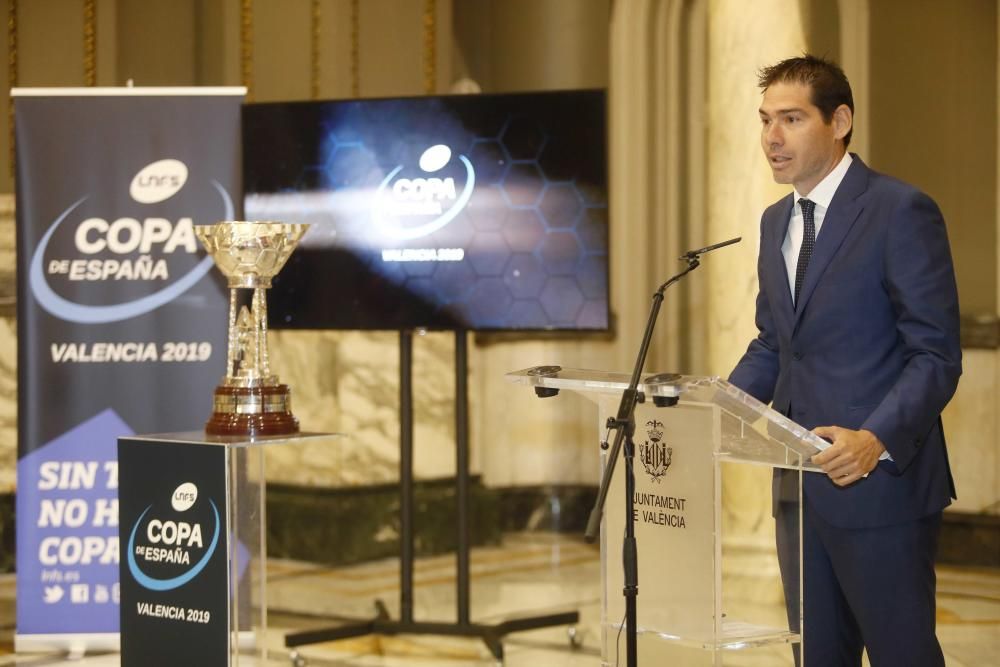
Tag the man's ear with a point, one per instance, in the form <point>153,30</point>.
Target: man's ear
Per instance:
<point>843,121</point>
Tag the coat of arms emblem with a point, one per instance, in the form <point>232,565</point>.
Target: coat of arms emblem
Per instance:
<point>653,452</point>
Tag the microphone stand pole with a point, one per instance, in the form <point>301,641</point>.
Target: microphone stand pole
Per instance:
<point>624,426</point>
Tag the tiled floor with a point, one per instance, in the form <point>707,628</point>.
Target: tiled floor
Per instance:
<point>528,574</point>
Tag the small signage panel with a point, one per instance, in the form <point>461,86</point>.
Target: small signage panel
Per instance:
<point>174,546</point>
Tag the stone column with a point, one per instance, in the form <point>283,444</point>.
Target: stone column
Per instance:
<point>742,38</point>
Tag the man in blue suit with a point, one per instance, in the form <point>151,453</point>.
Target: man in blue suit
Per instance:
<point>859,340</point>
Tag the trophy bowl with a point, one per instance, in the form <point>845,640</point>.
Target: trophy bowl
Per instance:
<point>250,400</point>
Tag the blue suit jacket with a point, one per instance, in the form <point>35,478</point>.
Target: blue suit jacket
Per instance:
<point>873,344</point>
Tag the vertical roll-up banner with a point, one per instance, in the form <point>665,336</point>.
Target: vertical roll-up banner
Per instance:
<point>121,322</point>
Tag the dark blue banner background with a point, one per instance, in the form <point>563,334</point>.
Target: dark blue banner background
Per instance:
<point>121,320</point>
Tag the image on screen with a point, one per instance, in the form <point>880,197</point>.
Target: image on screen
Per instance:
<point>478,212</point>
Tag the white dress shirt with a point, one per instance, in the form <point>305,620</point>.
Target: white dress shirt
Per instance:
<point>821,195</point>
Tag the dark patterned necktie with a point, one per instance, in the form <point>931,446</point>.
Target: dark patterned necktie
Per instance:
<point>808,241</point>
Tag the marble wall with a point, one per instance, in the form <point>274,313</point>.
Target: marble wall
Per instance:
<point>972,429</point>
<point>348,383</point>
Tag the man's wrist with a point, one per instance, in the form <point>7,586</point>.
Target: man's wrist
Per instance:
<point>883,453</point>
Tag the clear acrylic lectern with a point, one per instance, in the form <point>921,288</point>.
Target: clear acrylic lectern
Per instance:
<point>697,603</point>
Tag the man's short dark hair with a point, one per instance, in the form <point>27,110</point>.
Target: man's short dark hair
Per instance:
<point>825,79</point>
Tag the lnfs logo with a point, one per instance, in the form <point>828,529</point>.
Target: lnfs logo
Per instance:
<point>654,453</point>
<point>413,202</point>
<point>167,549</point>
<point>139,261</point>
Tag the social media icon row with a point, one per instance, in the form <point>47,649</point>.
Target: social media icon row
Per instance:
<point>82,593</point>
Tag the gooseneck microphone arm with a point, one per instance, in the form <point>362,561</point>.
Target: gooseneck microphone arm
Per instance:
<point>624,426</point>
<point>715,246</point>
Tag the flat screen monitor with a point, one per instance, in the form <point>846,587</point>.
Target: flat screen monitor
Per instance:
<point>477,212</point>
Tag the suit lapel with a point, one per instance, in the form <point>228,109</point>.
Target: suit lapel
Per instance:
<point>840,217</point>
<point>779,277</point>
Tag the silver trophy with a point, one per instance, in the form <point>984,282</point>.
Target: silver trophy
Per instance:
<point>250,400</point>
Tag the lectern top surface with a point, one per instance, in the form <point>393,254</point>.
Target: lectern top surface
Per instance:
<point>751,430</point>
<point>202,438</point>
<point>557,377</point>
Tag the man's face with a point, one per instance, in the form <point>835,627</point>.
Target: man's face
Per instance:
<point>800,147</point>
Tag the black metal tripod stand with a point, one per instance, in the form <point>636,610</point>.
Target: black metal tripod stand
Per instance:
<point>492,635</point>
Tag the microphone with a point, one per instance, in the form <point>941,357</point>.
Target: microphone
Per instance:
<point>691,254</point>
<point>692,257</point>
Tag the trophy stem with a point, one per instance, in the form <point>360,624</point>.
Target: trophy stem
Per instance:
<point>232,347</point>
<point>261,296</point>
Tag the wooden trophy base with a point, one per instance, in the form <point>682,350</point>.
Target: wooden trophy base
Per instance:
<point>252,411</point>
